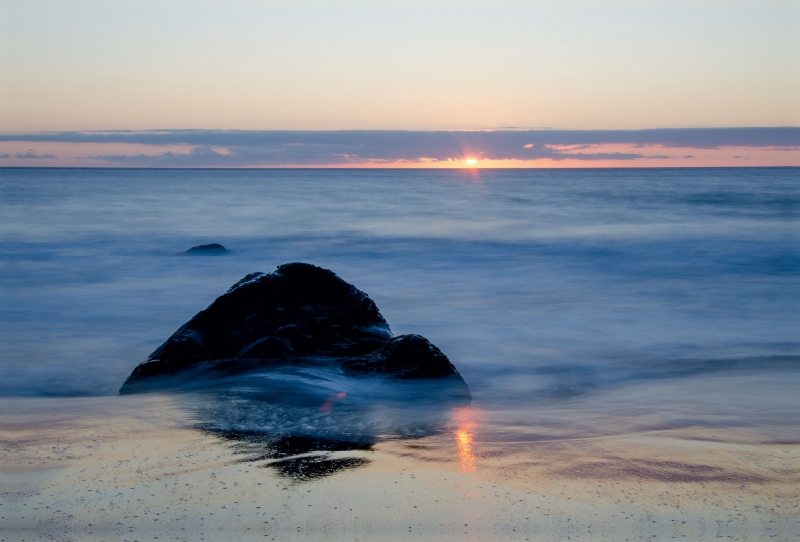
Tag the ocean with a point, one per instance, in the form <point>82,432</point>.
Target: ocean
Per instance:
<point>671,292</point>
<point>630,339</point>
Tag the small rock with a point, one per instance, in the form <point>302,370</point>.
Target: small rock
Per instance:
<point>214,249</point>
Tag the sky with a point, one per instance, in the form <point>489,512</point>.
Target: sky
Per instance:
<point>607,72</point>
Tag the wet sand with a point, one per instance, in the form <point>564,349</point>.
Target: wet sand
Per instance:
<point>135,468</point>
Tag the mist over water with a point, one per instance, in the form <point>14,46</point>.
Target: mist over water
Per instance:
<point>673,292</point>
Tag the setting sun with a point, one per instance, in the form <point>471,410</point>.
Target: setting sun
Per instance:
<point>472,161</point>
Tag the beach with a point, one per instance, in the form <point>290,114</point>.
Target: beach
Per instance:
<point>134,468</point>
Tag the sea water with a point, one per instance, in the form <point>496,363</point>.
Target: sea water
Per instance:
<point>668,294</point>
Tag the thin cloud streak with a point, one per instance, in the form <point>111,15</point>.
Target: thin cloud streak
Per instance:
<point>29,156</point>
<point>330,154</point>
<point>788,136</point>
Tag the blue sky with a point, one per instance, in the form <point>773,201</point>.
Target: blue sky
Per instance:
<point>432,65</point>
<point>587,67</point>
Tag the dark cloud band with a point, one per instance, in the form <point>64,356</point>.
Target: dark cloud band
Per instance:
<point>244,147</point>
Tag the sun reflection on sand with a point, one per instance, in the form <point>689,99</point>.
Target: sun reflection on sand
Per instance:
<point>463,434</point>
<point>464,441</point>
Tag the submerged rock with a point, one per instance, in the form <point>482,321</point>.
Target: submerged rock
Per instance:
<point>214,249</point>
<point>300,315</point>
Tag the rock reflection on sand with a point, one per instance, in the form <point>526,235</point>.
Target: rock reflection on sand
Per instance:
<point>299,459</point>
<point>299,423</point>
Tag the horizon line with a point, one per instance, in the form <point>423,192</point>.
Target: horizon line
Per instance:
<point>392,168</point>
<point>417,149</point>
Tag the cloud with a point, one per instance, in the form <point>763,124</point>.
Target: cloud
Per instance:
<point>30,154</point>
<point>558,153</point>
<point>205,156</point>
<point>6,155</point>
<point>671,137</point>
<point>300,154</point>
<point>232,148</point>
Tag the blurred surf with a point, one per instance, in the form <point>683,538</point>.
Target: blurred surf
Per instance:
<point>541,286</point>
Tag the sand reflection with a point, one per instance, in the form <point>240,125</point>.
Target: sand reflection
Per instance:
<point>465,455</point>
<point>466,425</point>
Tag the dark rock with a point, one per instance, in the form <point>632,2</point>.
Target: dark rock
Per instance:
<point>299,314</point>
<point>406,356</point>
<point>300,311</point>
<point>268,358</point>
<point>214,249</point>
